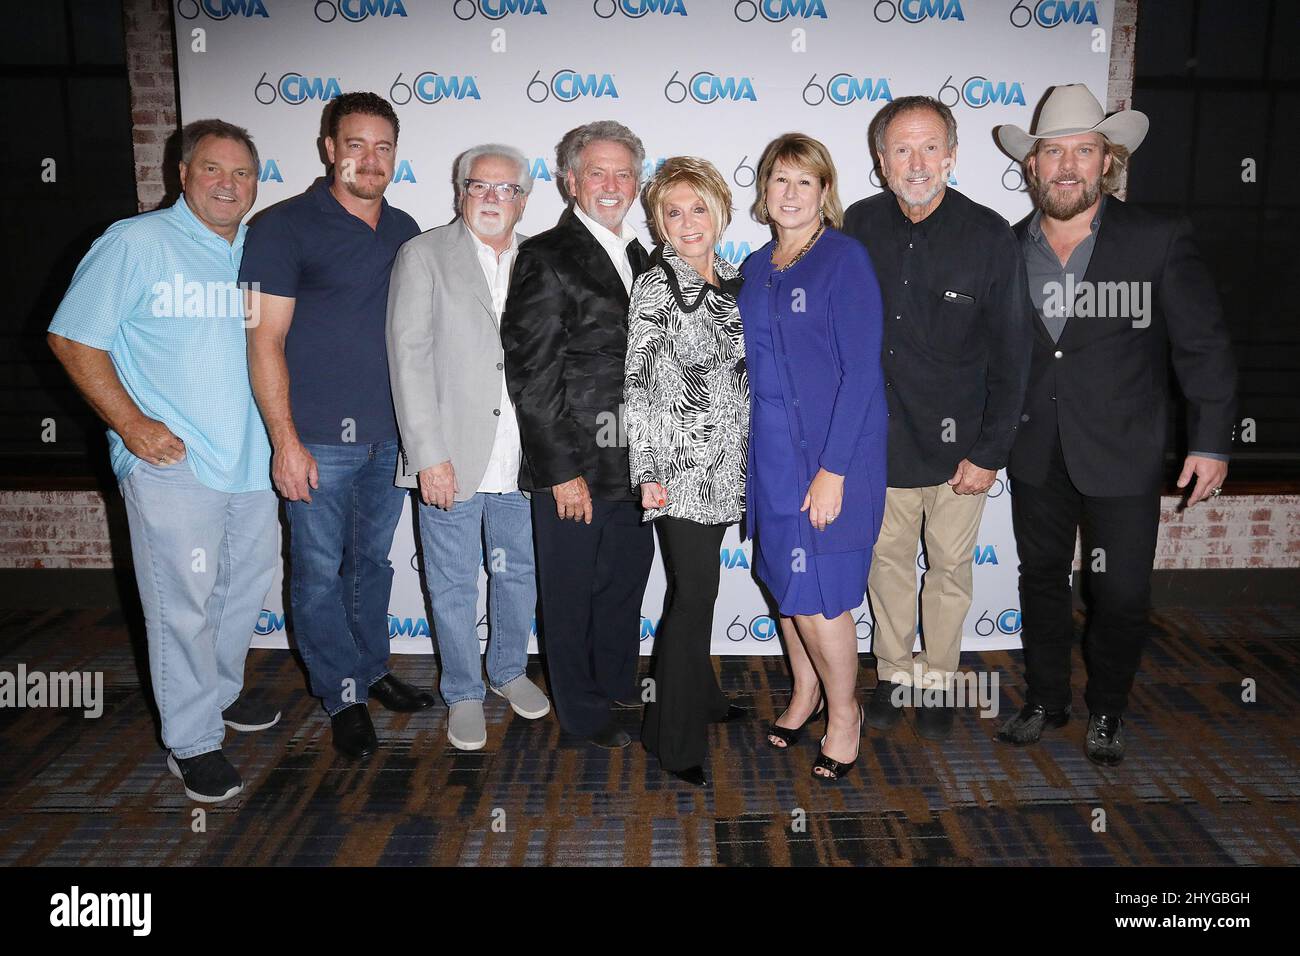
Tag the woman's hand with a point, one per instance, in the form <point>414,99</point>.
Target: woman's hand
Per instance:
<point>824,497</point>
<point>653,495</point>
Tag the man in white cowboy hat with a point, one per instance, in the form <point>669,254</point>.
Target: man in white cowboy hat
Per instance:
<point>1118,290</point>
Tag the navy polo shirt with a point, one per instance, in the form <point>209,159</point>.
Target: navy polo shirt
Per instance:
<point>336,267</point>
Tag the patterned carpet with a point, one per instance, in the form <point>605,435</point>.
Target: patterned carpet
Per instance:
<point>1209,779</point>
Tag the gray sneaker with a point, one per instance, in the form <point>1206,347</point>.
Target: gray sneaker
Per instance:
<point>466,727</point>
<point>526,698</point>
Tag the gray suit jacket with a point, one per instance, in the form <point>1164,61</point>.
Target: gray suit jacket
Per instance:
<point>444,357</point>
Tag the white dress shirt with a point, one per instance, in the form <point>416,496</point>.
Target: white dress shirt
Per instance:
<point>502,474</point>
<point>614,245</point>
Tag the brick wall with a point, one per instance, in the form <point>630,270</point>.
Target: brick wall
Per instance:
<point>61,529</point>
<point>151,66</point>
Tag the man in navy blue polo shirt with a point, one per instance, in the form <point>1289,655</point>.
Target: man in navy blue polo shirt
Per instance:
<point>319,368</point>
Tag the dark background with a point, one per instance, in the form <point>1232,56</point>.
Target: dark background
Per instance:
<point>1220,86</point>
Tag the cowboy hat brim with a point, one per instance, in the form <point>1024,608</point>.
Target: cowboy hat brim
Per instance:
<point>1127,128</point>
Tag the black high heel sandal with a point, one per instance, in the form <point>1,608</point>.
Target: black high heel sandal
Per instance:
<point>791,734</point>
<point>835,769</point>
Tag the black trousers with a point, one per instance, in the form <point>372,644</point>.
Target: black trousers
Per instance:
<point>1046,518</point>
<point>591,579</point>
<point>686,694</point>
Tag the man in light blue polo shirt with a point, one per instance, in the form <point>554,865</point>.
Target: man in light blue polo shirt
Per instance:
<point>151,332</point>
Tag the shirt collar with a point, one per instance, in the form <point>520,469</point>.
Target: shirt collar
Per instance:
<point>937,215</point>
<point>325,198</point>
<point>603,235</point>
<point>1036,221</point>
<point>194,228</point>
<point>688,277</point>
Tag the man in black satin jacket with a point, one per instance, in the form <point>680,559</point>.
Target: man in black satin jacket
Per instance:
<point>564,331</point>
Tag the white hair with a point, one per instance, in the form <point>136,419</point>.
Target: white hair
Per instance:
<point>465,162</point>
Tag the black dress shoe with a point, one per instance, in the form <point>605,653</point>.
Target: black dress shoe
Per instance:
<point>734,712</point>
<point>1104,744</point>
<point>611,737</point>
<point>400,696</point>
<point>354,734</point>
<point>882,712</point>
<point>934,722</point>
<point>1028,725</point>
<point>692,775</point>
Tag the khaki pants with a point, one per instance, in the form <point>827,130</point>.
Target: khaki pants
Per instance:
<point>951,524</point>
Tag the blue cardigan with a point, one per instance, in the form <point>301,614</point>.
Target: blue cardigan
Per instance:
<point>826,322</point>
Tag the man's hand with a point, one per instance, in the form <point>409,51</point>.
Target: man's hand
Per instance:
<point>653,495</point>
<point>293,472</point>
<point>824,499</point>
<point>971,479</point>
<point>438,485</point>
<point>1210,474</point>
<point>152,441</point>
<point>573,500</point>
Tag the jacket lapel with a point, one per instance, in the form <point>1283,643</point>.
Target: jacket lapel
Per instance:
<point>591,257</point>
<point>1106,261</point>
<point>465,259</point>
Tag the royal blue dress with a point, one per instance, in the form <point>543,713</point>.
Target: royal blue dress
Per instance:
<point>812,344</point>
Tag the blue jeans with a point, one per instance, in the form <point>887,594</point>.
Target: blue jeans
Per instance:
<point>204,560</point>
<point>340,575</point>
<point>453,543</point>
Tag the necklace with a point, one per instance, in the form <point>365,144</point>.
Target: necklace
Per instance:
<point>802,252</point>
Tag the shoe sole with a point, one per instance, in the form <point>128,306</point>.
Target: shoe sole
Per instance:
<point>465,744</point>
<point>526,714</point>
<point>618,746</point>
<point>194,795</point>
<point>250,728</point>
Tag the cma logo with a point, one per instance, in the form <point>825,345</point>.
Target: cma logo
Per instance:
<point>706,87</point>
<point>269,172</point>
<point>1051,13</point>
<point>731,558</point>
<point>294,88</point>
<point>354,11</point>
<point>844,88</point>
<point>735,253</point>
<point>914,11</point>
<point>540,170</point>
<point>569,85</point>
<point>637,8</point>
<point>774,11</point>
<point>407,627</point>
<point>1008,622</point>
<point>404,173</point>
<point>496,9</point>
<point>978,92</point>
<point>430,87</point>
<point>268,622</point>
<point>651,166</point>
<point>220,9</point>
<point>648,628</point>
<point>761,628</point>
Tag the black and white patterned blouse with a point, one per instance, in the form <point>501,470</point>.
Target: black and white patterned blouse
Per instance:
<point>686,393</point>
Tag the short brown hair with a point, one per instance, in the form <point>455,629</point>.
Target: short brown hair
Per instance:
<point>1111,181</point>
<point>698,174</point>
<point>192,133</point>
<point>803,152</point>
<point>368,104</point>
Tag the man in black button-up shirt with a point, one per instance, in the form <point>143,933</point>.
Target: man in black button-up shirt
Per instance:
<point>956,361</point>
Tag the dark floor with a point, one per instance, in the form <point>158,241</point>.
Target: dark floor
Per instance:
<point>1209,779</point>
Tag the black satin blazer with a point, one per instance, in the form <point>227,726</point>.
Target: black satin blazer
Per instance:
<point>564,331</point>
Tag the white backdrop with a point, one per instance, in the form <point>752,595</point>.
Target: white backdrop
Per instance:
<point>714,78</point>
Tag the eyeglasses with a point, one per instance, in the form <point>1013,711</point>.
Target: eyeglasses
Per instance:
<point>505,192</point>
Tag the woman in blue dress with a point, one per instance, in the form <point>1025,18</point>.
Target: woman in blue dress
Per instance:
<point>812,320</point>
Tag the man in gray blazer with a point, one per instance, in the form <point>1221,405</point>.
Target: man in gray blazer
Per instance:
<point>460,440</point>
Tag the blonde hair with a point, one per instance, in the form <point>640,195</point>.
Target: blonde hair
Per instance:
<point>802,152</point>
<point>699,175</point>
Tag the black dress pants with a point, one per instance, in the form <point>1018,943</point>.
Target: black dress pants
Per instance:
<point>591,579</point>
<point>1118,588</point>
<point>686,694</point>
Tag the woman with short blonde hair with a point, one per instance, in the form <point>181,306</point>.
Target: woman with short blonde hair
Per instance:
<point>687,411</point>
